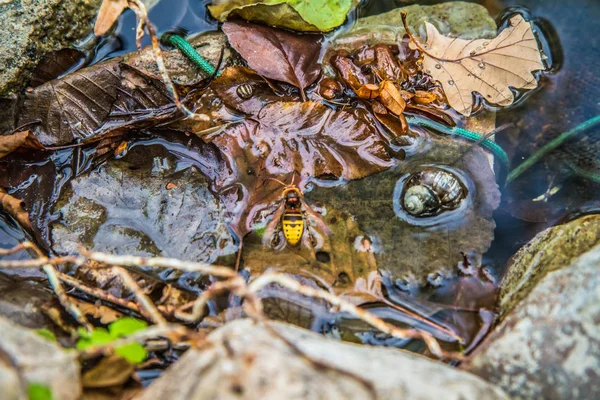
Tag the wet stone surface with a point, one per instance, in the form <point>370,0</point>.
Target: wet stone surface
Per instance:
<point>39,361</point>
<point>30,29</point>
<point>548,346</point>
<point>248,361</point>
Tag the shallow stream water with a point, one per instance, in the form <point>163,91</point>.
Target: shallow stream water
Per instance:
<point>549,193</point>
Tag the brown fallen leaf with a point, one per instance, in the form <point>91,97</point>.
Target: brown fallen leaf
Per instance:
<point>368,91</point>
<point>14,207</point>
<point>488,67</point>
<point>391,98</point>
<point>422,97</point>
<point>277,54</point>
<point>108,15</point>
<point>24,139</point>
<point>111,371</point>
<point>104,314</point>
<point>244,90</point>
<point>291,138</point>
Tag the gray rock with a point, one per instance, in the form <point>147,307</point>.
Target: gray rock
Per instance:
<point>31,28</point>
<point>548,346</point>
<point>247,361</point>
<point>35,359</point>
<point>550,250</point>
<point>10,385</point>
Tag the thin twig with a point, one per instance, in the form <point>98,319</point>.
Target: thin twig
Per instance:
<point>51,273</point>
<point>144,301</point>
<point>143,22</point>
<point>98,293</point>
<point>345,306</point>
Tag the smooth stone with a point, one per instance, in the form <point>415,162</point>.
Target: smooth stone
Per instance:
<point>548,346</point>
<point>244,360</point>
<point>38,361</point>
<point>556,247</point>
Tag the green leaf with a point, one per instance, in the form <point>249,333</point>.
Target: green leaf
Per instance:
<point>37,391</point>
<point>126,326</point>
<point>46,334</point>
<point>300,15</point>
<point>97,337</point>
<point>135,353</point>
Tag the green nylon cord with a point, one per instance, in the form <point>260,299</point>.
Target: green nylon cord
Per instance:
<point>584,173</point>
<point>498,152</point>
<point>190,52</point>
<point>553,144</point>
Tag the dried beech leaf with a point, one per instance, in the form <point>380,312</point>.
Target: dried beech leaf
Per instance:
<point>422,97</point>
<point>488,67</point>
<point>14,207</point>
<point>277,54</point>
<point>391,98</point>
<point>368,91</point>
<point>108,15</point>
<point>24,139</point>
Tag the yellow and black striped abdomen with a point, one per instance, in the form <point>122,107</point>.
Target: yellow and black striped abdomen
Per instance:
<point>293,226</point>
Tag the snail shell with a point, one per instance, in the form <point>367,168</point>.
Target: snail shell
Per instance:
<point>245,91</point>
<point>431,192</point>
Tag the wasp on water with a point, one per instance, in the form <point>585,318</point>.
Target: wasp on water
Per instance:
<point>291,218</point>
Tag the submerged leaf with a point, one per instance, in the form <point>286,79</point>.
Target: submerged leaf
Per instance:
<point>423,247</point>
<point>307,139</point>
<point>244,90</point>
<point>300,15</point>
<point>277,54</point>
<point>489,67</point>
<point>14,207</point>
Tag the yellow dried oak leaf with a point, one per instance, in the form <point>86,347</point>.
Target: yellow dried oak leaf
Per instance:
<point>489,67</point>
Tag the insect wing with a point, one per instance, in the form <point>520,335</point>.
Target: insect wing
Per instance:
<point>272,227</point>
<point>318,218</point>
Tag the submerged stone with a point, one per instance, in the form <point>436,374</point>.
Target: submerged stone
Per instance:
<point>142,204</point>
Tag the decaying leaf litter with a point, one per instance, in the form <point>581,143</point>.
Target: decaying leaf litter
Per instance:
<point>257,126</point>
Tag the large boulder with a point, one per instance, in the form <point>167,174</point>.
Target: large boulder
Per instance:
<point>548,343</point>
<point>245,360</point>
